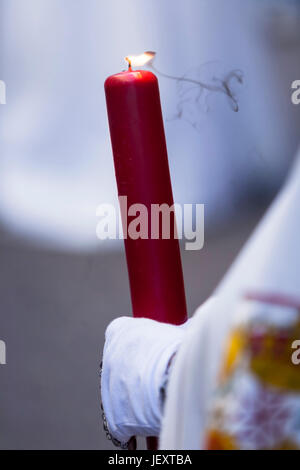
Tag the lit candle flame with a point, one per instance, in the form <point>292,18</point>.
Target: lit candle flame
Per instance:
<point>140,60</point>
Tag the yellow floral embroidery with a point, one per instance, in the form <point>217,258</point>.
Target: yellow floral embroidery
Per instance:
<point>217,440</point>
<point>257,401</point>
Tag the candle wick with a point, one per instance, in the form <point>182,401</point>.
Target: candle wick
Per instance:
<point>129,64</point>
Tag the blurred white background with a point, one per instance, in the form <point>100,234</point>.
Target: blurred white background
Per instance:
<point>56,161</point>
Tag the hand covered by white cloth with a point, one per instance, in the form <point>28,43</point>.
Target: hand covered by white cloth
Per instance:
<point>136,355</point>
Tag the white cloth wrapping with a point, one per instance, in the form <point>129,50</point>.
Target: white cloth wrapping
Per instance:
<point>135,358</point>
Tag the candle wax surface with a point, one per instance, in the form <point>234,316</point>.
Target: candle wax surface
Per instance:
<point>142,174</point>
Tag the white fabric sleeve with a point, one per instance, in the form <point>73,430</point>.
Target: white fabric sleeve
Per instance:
<point>190,383</point>
<point>268,265</point>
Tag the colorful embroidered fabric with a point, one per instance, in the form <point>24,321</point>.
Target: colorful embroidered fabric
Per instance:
<point>257,402</point>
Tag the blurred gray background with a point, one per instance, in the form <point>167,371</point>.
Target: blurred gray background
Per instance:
<point>59,285</point>
<point>55,307</point>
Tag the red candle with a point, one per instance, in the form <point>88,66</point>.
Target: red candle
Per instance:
<point>142,173</point>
